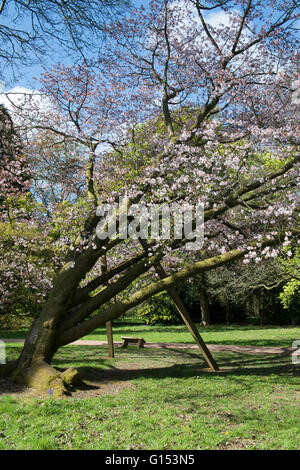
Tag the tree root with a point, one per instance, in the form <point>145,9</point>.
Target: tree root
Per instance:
<point>43,377</point>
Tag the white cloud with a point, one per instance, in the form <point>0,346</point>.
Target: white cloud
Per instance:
<point>19,97</point>
<point>27,107</point>
<point>218,18</point>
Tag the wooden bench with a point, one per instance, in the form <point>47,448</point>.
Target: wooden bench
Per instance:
<point>126,340</point>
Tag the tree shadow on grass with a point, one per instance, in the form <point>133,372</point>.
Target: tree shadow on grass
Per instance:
<point>112,375</point>
<point>231,365</point>
<point>99,354</point>
<point>236,376</point>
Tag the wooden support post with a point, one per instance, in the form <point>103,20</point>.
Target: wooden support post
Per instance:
<point>188,321</point>
<point>187,318</point>
<point>109,332</point>
<point>184,314</point>
<point>110,342</point>
<point>193,329</point>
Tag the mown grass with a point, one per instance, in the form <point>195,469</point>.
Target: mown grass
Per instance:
<point>166,401</point>
<point>238,335</point>
<point>219,334</point>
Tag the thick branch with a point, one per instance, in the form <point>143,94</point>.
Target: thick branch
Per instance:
<point>82,294</point>
<point>2,6</point>
<point>208,33</point>
<point>241,26</point>
<point>106,294</point>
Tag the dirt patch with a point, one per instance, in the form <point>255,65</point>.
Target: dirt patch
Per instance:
<point>100,383</point>
<point>96,389</point>
<point>237,444</point>
<point>95,386</point>
<point>9,388</point>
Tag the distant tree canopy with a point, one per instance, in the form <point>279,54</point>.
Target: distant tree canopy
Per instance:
<point>13,166</point>
<point>260,294</point>
<point>10,143</point>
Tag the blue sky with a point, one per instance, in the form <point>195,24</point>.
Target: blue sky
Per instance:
<point>25,75</point>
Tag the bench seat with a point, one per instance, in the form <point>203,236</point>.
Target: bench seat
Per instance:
<point>127,339</point>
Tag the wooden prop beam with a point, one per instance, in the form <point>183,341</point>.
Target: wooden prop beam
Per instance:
<point>188,321</point>
<point>109,332</point>
<point>182,310</point>
<point>110,341</point>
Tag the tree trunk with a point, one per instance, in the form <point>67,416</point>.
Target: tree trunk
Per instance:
<point>257,308</point>
<point>203,299</point>
<point>228,315</point>
<point>33,365</point>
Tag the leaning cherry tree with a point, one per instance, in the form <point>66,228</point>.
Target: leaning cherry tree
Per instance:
<point>191,105</point>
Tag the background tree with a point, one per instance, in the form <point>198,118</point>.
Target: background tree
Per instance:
<point>290,264</point>
<point>259,293</point>
<point>28,264</point>
<point>57,168</point>
<point>249,207</point>
<point>14,171</point>
<point>249,293</point>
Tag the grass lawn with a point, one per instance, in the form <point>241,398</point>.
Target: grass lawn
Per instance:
<point>162,399</point>
<point>238,335</point>
<point>219,334</point>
